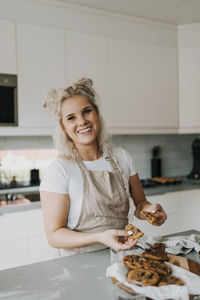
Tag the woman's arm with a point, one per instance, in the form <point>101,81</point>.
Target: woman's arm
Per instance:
<point>141,203</point>
<point>55,211</point>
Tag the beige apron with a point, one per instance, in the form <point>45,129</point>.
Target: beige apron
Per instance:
<point>105,203</point>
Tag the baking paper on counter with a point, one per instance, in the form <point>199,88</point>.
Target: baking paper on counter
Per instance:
<point>174,245</point>
<point>192,281</point>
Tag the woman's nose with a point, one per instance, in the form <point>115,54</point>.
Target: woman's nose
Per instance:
<point>82,120</point>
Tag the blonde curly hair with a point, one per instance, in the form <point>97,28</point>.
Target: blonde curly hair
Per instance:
<point>63,143</point>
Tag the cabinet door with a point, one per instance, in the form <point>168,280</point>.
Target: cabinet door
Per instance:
<point>189,210</point>
<point>40,69</point>
<point>14,245</point>
<point>171,204</point>
<point>87,57</point>
<point>36,223</point>
<point>40,249</point>
<point>14,226</point>
<point>161,87</point>
<point>189,74</point>
<point>14,253</point>
<point>8,48</point>
<point>143,87</point>
<point>126,85</point>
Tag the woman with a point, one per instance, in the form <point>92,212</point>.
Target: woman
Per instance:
<point>85,193</point>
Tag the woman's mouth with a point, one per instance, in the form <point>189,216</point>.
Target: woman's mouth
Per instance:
<point>85,130</point>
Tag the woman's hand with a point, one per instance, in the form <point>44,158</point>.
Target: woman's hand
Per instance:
<point>116,239</point>
<point>158,211</point>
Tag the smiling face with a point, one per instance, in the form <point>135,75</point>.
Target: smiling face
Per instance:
<point>80,121</point>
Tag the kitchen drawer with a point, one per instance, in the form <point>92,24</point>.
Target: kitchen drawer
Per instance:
<point>40,249</point>
<point>36,224</point>
<point>171,225</point>
<point>14,253</point>
<point>170,201</point>
<point>14,226</point>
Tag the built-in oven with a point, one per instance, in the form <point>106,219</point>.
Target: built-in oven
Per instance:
<point>8,100</point>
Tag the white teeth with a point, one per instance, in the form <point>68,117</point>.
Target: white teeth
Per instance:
<point>85,130</point>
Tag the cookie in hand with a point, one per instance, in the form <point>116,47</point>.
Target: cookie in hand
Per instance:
<point>149,216</point>
<point>135,233</point>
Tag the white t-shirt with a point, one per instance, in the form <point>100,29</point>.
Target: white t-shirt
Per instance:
<point>64,177</point>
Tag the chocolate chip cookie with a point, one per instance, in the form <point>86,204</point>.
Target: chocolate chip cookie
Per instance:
<point>136,233</point>
<point>155,256</point>
<point>157,266</point>
<point>149,216</point>
<point>170,280</point>
<point>146,277</point>
<point>133,261</point>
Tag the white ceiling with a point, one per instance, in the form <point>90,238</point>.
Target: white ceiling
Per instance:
<point>169,11</point>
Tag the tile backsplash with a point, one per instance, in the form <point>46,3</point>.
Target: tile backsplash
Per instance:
<point>176,151</point>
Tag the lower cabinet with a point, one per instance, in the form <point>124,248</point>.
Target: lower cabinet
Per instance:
<point>182,209</point>
<point>23,240</point>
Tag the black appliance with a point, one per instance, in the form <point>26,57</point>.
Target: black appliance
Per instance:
<point>156,163</point>
<point>8,100</point>
<point>195,173</point>
<point>34,177</point>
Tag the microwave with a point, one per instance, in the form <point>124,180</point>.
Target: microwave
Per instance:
<point>8,100</point>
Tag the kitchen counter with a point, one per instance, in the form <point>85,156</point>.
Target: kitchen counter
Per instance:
<point>81,276</point>
<point>187,184</point>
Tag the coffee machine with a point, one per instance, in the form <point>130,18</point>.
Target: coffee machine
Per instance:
<point>195,173</point>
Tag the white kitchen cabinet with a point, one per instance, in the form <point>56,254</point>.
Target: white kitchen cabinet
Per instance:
<point>14,253</point>
<point>41,67</point>
<point>189,74</point>
<point>170,203</point>
<point>142,88</point>
<point>36,223</point>
<point>14,245</point>
<point>161,87</point>
<point>7,48</point>
<point>86,56</point>
<point>182,209</point>
<point>126,85</point>
<point>40,249</point>
<point>13,226</point>
<point>190,208</point>
<point>22,239</point>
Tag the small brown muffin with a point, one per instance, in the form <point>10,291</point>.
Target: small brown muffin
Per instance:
<point>170,280</point>
<point>136,233</point>
<point>150,217</point>
<point>133,261</point>
<point>155,256</point>
<point>146,277</point>
<point>157,266</point>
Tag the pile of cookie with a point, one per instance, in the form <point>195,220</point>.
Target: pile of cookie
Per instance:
<point>150,268</point>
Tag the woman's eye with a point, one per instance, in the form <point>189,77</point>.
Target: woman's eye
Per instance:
<point>71,118</point>
<point>87,110</point>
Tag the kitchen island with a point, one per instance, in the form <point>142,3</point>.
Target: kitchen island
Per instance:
<point>81,276</point>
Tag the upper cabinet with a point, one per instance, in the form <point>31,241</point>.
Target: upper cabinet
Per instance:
<point>41,67</point>
<point>8,48</point>
<point>86,56</point>
<point>137,82</point>
<point>145,86</point>
<point>143,89</point>
<point>189,78</point>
